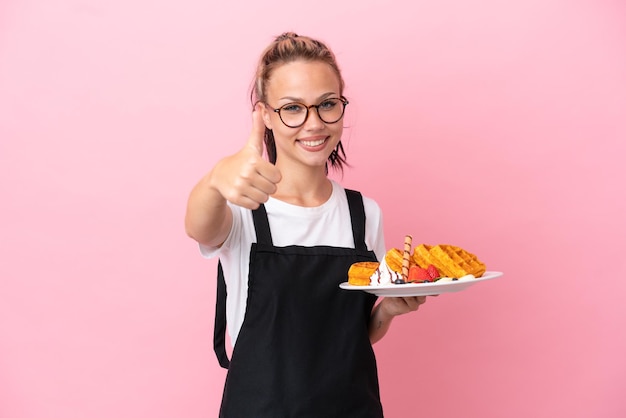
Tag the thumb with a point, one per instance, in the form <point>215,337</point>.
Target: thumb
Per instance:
<point>257,133</point>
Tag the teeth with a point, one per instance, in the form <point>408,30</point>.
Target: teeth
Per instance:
<point>313,143</point>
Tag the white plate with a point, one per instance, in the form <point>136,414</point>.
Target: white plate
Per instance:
<point>422,289</point>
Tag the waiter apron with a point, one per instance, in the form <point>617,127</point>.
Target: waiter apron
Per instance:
<point>303,349</point>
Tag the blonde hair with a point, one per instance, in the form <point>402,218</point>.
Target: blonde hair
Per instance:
<point>287,48</point>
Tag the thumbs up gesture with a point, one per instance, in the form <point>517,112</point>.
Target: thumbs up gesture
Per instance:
<point>246,178</point>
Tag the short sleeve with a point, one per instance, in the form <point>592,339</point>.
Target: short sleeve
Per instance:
<point>211,252</point>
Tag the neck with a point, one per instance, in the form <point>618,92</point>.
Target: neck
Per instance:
<point>309,189</point>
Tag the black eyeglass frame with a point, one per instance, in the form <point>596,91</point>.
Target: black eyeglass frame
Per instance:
<point>342,99</point>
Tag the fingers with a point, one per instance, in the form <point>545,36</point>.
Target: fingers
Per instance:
<point>412,303</point>
<point>265,169</point>
<point>401,305</point>
<point>258,130</point>
<point>256,141</point>
<point>246,178</point>
<point>250,193</point>
<point>271,174</point>
<point>246,202</point>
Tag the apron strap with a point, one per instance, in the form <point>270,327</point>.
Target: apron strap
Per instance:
<point>264,236</point>
<point>219,331</point>
<point>262,226</point>
<point>357,215</point>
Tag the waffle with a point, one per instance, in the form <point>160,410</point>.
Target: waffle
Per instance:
<point>359,273</point>
<point>393,258</point>
<point>421,256</point>
<point>451,261</point>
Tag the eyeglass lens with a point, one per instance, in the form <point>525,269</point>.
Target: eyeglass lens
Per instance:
<point>295,114</point>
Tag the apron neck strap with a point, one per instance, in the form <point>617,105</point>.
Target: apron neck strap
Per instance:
<point>262,226</point>
<point>357,215</point>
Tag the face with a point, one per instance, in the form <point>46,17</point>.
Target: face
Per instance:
<point>308,83</point>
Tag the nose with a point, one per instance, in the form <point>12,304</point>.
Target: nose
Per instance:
<point>313,120</point>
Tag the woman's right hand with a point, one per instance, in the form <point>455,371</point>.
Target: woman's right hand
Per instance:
<point>246,178</point>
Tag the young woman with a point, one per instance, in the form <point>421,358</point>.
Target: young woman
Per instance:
<point>286,236</point>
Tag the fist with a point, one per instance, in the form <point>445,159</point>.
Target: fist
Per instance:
<point>246,178</point>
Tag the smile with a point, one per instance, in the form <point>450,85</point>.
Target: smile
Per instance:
<point>315,143</point>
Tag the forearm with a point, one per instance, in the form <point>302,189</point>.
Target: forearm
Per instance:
<point>389,307</point>
<point>208,219</point>
<point>380,321</point>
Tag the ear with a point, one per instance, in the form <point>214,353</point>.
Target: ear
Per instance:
<point>267,119</point>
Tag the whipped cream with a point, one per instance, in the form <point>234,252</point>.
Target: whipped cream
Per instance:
<point>384,275</point>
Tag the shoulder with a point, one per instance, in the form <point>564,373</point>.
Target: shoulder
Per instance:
<point>374,231</point>
<point>372,208</point>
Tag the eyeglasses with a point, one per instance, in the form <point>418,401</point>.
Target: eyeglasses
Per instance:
<point>294,115</point>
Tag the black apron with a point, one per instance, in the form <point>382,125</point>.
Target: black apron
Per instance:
<point>303,349</point>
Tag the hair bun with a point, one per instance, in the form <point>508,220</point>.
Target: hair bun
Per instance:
<point>286,35</point>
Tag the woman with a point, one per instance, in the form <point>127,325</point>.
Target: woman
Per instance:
<point>286,235</point>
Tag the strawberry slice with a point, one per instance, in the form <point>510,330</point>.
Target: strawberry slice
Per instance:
<point>418,275</point>
<point>432,272</point>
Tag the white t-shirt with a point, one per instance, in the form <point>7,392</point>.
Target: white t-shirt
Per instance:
<point>328,224</point>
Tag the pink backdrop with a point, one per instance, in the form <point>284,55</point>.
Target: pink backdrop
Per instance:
<point>498,126</point>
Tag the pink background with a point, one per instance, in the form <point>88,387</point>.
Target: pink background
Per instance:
<point>498,126</point>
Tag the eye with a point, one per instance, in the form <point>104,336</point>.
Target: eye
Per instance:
<point>328,104</point>
<point>292,108</point>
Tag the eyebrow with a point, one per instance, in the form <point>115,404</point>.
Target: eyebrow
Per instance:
<point>300,99</point>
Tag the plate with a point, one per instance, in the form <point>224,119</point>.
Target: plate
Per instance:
<point>421,289</point>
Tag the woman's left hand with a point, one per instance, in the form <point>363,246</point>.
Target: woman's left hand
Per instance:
<point>394,306</point>
<point>387,309</point>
